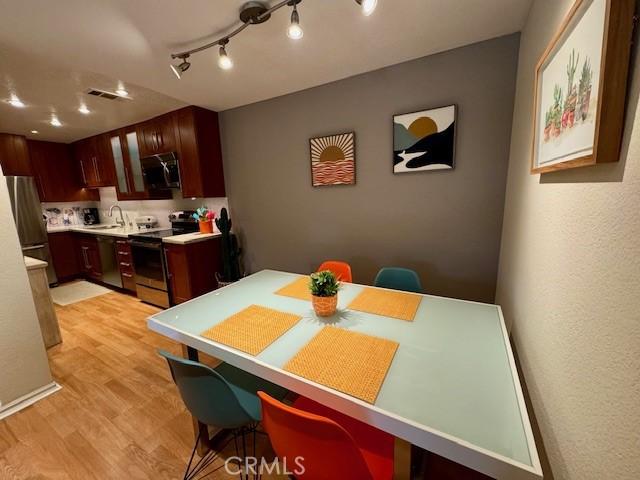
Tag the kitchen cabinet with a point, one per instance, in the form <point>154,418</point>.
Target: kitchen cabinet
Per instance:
<point>93,157</point>
<point>64,250</point>
<point>199,153</point>
<point>157,135</point>
<point>14,155</point>
<point>90,257</point>
<point>189,274</point>
<point>56,176</point>
<point>125,151</point>
<point>125,263</point>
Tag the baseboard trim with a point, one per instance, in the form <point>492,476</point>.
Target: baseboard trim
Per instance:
<point>28,399</point>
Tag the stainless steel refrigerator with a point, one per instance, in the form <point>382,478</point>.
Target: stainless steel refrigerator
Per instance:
<point>30,223</point>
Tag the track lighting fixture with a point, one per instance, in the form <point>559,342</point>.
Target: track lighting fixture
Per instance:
<point>181,67</point>
<point>55,122</point>
<point>224,62</point>
<point>368,6</point>
<point>294,31</point>
<point>83,109</point>
<point>254,13</point>
<point>121,92</point>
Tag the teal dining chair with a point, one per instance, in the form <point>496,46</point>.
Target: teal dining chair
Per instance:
<point>223,397</point>
<point>398,278</point>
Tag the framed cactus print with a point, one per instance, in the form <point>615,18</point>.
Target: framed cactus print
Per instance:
<point>580,87</point>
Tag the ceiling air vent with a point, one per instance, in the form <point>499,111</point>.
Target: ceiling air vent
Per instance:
<point>103,94</point>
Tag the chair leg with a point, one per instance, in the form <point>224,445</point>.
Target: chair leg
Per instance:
<point>204,462</point>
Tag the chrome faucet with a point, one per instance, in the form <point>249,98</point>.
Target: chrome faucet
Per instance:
<point>120,221</point>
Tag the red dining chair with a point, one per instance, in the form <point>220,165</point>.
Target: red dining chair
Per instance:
<point>341,270</point>
<point>318,443</point>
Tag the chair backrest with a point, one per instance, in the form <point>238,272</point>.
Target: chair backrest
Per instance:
<point>320,445</point>
<point>341,270</point>
<point>206,394</point>
<point>398,279</point>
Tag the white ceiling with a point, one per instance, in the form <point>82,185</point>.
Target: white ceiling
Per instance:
<point>52,51</point>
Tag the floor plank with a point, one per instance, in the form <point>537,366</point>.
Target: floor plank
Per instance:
<point>118,414</point>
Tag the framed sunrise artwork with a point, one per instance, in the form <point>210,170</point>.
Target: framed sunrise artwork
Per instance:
<point>580,87</point>
<point>333,159</point>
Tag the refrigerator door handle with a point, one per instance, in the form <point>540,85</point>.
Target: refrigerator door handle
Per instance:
<point>32,247</point>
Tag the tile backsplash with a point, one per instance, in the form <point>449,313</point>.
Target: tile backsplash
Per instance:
<point>130,208</point>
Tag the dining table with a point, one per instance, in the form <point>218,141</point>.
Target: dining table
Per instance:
<point>452,386</point>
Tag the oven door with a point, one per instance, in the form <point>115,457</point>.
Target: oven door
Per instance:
<point>150,268</point>
<point>161,171</point>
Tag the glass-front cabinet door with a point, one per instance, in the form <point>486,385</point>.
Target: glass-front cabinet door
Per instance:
<point>126,160</point>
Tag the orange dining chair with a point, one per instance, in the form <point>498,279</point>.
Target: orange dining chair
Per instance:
<point>318,443</point>
<point>341,270</point>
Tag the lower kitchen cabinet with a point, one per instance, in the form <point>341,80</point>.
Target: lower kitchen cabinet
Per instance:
<point>192,268</point>
<point>64,255</point>
<point>125,263</point>
<point>90,263</point>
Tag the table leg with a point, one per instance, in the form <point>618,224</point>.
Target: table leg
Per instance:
<point>204,445</point>
<point>401,459</point>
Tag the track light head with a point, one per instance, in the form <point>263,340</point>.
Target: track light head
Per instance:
<point>368,6</point>
<point>224,62</point>
<point>294,31</point>
<point>182,67</point>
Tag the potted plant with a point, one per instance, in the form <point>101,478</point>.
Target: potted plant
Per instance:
<point>230,251</point>
<point>205,219</point>
<point>324,292</point>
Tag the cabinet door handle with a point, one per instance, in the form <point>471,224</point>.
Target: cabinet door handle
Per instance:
<point>84,177</point>
<point>161,140</point>
<point>122,252</point>
<point>127,275</point>
<point>95,166</point>
<point>125,264</point>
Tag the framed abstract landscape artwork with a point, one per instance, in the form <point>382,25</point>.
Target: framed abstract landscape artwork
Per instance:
<point>424,140</point>
<point>581,87</point>
<point>333,160</point>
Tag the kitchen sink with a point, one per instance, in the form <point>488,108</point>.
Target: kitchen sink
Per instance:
<point>101,227</point>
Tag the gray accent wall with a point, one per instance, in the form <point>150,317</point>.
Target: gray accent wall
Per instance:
<point>444,224</point>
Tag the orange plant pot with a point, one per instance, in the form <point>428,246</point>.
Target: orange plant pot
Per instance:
<point>324,306</point>
<point>206,226</point>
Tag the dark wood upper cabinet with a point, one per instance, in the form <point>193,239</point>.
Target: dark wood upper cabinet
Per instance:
<point>157,135</point>
<point>14,155</point>
<point>93,157</point>
<point>125,153</point>
<point>199,152</point>
<point>54,170</point>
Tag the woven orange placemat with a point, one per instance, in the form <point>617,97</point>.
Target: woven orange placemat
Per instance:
<point>299,288</point>
<point>351,362</point>
<point>389,303</point>
<point>252,329</point>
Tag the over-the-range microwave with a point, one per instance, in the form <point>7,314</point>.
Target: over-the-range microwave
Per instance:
<point>161,171</point>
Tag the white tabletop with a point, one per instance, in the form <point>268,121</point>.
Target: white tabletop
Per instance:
<point>452,387</point>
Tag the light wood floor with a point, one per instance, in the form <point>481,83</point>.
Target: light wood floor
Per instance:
<point>118,415</point>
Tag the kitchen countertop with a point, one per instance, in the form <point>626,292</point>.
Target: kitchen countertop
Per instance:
<point>33,263</point>
<point>182,239</point>
<point>187,238</point>
<point>94,230</point>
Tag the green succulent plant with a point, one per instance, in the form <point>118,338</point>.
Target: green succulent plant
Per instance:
<point>323,284</point>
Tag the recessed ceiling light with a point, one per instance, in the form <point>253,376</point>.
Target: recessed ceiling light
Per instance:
<point>84,110</point>
<point>15,101</point>
<point>35,132</point>
<point>121,92</point>
<point>55,121</point>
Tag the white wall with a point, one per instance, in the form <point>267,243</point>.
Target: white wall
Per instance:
<point>23,361</point>
<point>569,281</point>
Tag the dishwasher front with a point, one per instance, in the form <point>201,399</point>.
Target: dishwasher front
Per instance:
<point>110,268</point>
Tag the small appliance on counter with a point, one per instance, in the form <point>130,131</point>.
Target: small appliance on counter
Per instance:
<point>90,216</point>
<point>145,222</point>
<point>183,222</point>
